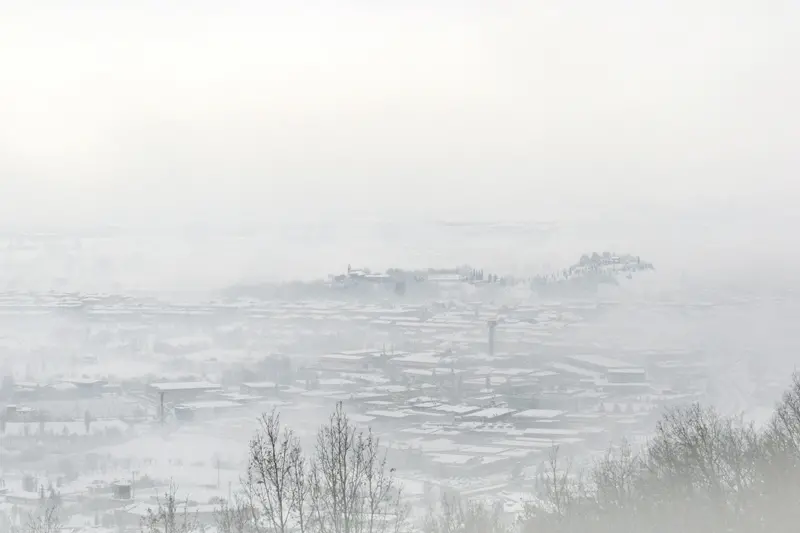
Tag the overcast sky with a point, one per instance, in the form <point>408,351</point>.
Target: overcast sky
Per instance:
<point>118,111</point>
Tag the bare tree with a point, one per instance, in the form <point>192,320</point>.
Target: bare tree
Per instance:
<point>455,516</point>
<point>276,478</point>
<point>300,489</point>
<point>351,490</point>
<point>44,520</point>
<point>235,516</point>
<point>558,487</point>
<point>615,492</point>
<point>701,472</point>
<point>171,515</point>
<point>702,468</point>
<point>383,510</point>
<point>782,438</point>
<point>779,470</point>
<point>784,429</point>
<point>448,518</point>
<point>615,478</point>
<point>559,499</point>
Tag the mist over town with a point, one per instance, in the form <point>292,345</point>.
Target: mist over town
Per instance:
<point>354,267</point>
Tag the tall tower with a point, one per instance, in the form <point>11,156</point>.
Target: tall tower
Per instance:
<point>492,325</point>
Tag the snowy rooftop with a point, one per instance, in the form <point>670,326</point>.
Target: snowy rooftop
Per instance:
<point>388,414</point>
<point>539,413</point>
<point>259,385</point>
<point>491,412</point>
<point>428,358</point>
<point>626,371</point>
<point>571,369</point>
<point>184,386</point>
<point>343,357</point>
<point>600,361</point>
<point>457,409</point>
<point>216,404</point>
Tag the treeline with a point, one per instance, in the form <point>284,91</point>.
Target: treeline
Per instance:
<point>700,472</point>
<point>343,486</point>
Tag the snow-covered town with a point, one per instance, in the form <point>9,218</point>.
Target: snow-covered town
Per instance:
<point>466,397</point>
<point>399,267</point>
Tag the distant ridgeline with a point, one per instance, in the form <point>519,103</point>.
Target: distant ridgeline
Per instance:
<point>401,278</point>
<point>584,277</point>
<point>589,273</point>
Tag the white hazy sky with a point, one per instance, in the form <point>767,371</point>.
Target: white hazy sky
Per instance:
<point>118,111</point>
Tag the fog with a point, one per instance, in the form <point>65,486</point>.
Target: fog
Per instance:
<point>154,110</point>
<point>485,231</point>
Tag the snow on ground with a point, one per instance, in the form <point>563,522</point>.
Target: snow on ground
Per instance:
<point>187,447</point>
